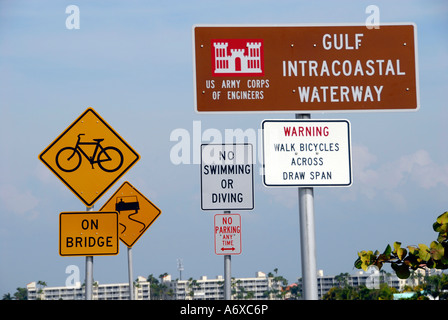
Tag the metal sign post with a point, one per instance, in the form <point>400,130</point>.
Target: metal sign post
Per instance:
<point>308,243</point>
<point>307,238</point>
<point>227,277</point>
<point>89,271</point>
<point>131,284</point>
<point>227,273</point>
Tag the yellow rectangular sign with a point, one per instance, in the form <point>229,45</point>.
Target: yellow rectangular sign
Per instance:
<point>91,233</point>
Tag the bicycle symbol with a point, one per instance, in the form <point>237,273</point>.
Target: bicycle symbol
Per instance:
<point>109,158</point>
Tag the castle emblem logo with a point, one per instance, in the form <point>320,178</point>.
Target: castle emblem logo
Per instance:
<point>242,57</point>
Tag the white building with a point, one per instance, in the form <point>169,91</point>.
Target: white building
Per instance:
<point>117,291</point>
<point>260,287</point>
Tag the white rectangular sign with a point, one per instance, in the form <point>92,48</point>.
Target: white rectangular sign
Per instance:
<point>227,234</point>
<point>306,153</point>
<point>227,177</point>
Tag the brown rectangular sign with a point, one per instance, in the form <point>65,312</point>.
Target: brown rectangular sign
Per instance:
<point>305,68</point>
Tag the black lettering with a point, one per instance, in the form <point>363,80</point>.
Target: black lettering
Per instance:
<point>227,197</point>
<point>227,169</point>
<point>109,242</point>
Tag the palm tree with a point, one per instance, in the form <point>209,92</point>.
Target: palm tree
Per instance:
<point>7,296</point>
<point>163,288</point>
<point>163,275</point>
<point>342,279</point>
<point>21,294</point>
<point>192,285</point>
<point>41,285</point>
<point>154,287</point>
<point>275,283</point>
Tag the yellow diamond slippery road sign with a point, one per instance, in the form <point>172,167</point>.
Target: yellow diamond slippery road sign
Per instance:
<point>89,157</point>
<point>136,212</point>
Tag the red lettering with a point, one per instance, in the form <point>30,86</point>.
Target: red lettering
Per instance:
<point>306,131</point>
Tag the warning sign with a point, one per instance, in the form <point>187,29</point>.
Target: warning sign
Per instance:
<point>89,157</point>
<point>136,212</point>
<point>302,153</point>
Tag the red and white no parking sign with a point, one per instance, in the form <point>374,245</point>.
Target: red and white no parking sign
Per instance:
<point>227,234</point>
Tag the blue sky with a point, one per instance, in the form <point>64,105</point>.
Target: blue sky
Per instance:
<point>132,62</point>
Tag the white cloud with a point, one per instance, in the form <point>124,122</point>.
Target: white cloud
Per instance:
<point>287,197</point>
<point>17,201</point>
<point>375,179</point>
<point>389,180</point>
<point>417,167</point>
<point>43,173</point>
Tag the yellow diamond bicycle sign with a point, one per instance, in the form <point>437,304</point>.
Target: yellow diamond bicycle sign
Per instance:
<point>89,157</point>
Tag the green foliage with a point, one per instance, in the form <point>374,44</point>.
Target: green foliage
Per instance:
<point>158,290</point>
<point>347,292</point>
<point>21,294</point>
<point>279,286</point>
<point>403,260</point>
